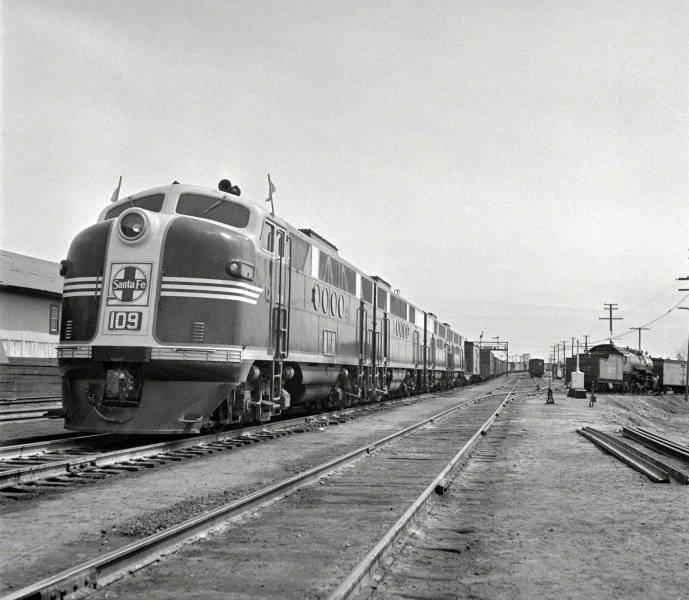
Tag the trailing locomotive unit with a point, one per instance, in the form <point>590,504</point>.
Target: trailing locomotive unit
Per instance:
<point>186,308</point>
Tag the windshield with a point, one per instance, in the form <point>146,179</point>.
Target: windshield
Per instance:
<point>215,209</point>
<point>153,203</point>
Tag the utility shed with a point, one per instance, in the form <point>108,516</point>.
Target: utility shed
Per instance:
<point>30,293</point>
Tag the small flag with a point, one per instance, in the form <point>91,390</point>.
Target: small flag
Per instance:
<point>116,194</point>
<point>271,189</point>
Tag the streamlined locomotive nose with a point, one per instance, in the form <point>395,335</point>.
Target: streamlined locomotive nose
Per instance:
<point>164,325</point>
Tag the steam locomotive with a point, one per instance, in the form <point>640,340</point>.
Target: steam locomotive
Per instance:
<point>607,367</point>
<point>188,309</point>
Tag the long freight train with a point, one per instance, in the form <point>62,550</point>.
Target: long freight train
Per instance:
<point>187,309</point>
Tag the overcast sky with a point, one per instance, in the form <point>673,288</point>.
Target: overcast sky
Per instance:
<point>508,166</point>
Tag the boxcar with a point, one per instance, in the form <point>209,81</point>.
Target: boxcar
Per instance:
<point>672,374</point>
<point>536,367</point>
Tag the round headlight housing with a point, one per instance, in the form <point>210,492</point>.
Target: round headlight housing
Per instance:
<point>132,225</point>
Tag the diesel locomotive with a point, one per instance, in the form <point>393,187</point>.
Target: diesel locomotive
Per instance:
<point>188,309</point>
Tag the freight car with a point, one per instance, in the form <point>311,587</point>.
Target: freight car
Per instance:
<point>671,374</point>
<point>490,365</point>
<point>189,309</point>
<point>472,358</point>
<point>536,367</point>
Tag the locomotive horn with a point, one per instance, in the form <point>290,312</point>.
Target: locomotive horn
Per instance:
<point>226,186</point>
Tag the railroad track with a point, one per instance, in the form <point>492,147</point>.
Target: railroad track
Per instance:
<point>27,408</point>
<point>53,465</point>
<point>428,442</point>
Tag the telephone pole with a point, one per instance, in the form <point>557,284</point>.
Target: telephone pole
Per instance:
<point>610,306</point>
<point>640,329</point>
<point>556,359</point>
<point>564,360</point>
<point>686,380</point>
<point>586,341</point>
<point>572,347</point>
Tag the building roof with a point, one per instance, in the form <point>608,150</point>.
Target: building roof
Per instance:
<point>27,272</point>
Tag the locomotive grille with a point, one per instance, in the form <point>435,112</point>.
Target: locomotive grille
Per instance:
<point>68,330</point>
<point>198,332</point>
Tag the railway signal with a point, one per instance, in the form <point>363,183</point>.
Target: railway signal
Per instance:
<point>610,306</point>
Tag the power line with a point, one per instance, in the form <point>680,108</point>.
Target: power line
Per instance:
<point>662,296</point>
<point>615,337</point>
<point>666,313</point>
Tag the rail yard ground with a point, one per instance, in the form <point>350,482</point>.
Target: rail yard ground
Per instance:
<point>540,512</point>
<point>536,511</point>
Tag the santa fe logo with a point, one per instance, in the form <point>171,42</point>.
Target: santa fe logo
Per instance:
<point>129,284</point>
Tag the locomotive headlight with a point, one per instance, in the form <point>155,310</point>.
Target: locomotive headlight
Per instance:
<point>240,269</point>
<point>132,225</point>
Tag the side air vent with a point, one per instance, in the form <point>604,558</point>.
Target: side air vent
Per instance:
<point>68,330</point>
<point>198,332</point>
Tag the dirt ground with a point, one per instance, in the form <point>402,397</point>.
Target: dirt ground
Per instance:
<point>540,512</point>
<point>302,546</point>
<point>45,535</point>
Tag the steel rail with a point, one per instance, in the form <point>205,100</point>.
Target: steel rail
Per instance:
<point>84,463</point>
<point>657,443</point>
<point>42,447</point>
<point>30,400</point>
<point>358,575</point>
<point>663,439</point>
<point>23,415</point>
<point>637,463</point>
<point>676,474</point>
<point>101,571</point>
<point>14,410</point>
<point>67,440</point>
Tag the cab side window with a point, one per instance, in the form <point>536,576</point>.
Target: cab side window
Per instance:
<point>268,237</point>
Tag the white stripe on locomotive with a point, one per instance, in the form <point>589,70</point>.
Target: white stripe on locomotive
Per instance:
<point>210,296</point>
<point>181,287</point>
<point>221,282</point>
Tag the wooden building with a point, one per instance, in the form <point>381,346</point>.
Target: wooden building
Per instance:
<point>30,293</point>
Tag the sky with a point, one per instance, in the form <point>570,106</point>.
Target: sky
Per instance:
<point>509,166</point>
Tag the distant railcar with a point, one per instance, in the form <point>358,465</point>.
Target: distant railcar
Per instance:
<point>671,374</point>
<point>536,367</point>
